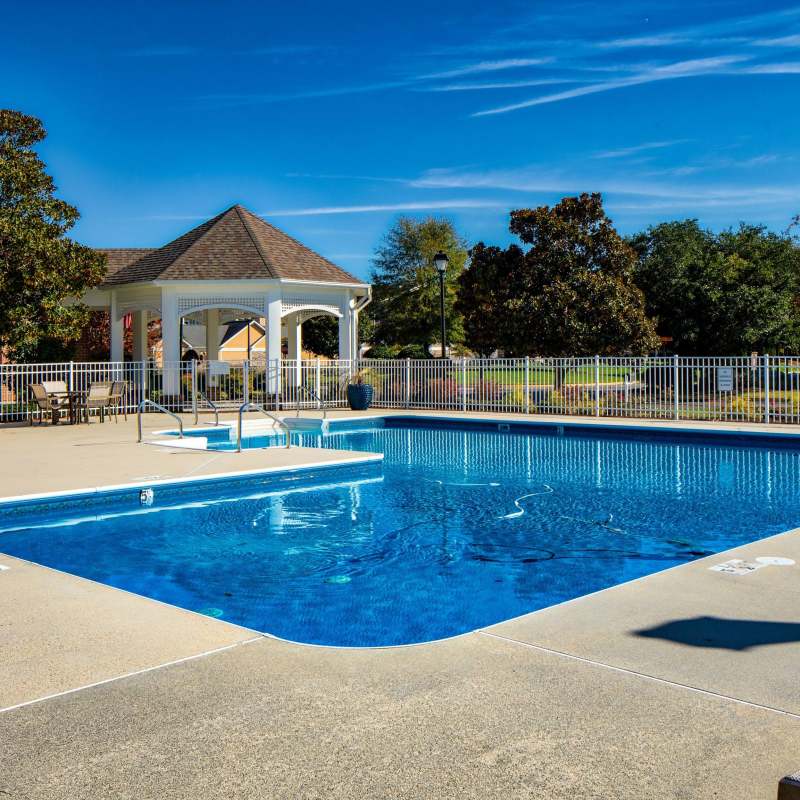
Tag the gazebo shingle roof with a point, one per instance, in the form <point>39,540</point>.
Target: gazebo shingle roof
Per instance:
<point>234,245</point>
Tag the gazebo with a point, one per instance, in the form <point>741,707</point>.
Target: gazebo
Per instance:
<point>232,265</point>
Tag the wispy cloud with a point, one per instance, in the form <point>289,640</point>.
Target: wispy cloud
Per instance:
<point>424,205</point>
<point>283,50</point>
<point>471,87</point>
<point>781,41</point>
<point>540,181</point>
<point>786,68</point>
<point>163,51</point>
<point>257,98</point>
<point>487,66</point>
<point>638,148</point>
<point>344,177</point>
<point>681,69</point>
<point>657,40</point>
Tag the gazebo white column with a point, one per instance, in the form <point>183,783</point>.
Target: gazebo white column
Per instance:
<point>272,328</point>
<point>170,343</point>
<point>117,331</point>
<point>212,334</point>
<point>140,335</point>
<point>294,331</point>
<point>346,333</point>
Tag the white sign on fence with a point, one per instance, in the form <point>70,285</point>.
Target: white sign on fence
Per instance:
<point>725,379</point>
<point>219,368</point>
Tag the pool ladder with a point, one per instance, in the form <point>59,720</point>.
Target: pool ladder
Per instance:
<point>314,396</point>
<point>144,404</point>
<point>210,403</point>
<point>256,407</point>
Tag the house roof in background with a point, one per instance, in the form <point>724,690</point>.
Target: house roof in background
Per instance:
<point>234,245</point>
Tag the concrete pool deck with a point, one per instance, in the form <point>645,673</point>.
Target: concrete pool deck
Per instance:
<point>682,684</point>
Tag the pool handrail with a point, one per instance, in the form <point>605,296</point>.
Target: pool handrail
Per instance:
<point>155,405</point>
<point>256,407</point>
<point>314,396</point>
<point>209,402</point>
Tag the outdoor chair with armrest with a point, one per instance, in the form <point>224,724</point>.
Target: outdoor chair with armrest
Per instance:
<point>46,401</point>
<point>118,398</point>
<point>98,398</point>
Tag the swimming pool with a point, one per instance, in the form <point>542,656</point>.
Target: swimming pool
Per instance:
<point>463,525</point>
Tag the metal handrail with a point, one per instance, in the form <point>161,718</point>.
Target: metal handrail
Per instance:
<point>314,396</point>
<point>210,403</point>
<point>146,403</point>
<point>246,407</point>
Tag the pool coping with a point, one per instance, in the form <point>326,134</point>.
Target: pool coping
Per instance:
<point>94,491</point>
<point>643,428</point>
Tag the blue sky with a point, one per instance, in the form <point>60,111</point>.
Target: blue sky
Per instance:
<point>330,119</point>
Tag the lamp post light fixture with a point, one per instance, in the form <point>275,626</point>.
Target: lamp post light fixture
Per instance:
<point>440,261</point>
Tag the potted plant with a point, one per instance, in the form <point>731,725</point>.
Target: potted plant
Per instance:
<point>359,392</point>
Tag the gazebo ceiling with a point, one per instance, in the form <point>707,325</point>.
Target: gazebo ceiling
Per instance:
<point>235,245</point>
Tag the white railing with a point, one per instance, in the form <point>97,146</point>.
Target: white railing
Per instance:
<point>735,389</point>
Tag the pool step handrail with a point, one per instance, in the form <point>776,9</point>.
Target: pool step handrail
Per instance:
<point>256,407</point>
<point>314,396</point>
<point>144,404</point>
<point>209,402</point>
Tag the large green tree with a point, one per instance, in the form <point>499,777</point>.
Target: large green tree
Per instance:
<point>405,284</point>
<point>486,290</point>
<point>40,267</point>
<point>721,294</point>
<point>570,293</point>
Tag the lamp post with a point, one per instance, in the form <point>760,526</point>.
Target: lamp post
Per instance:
<point>440,261</point>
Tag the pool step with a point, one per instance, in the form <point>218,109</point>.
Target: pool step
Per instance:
<point>309,424</point>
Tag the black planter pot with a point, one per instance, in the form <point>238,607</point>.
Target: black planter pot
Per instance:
<point>359,396</point>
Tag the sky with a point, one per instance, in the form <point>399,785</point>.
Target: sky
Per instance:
<point>332,119</point>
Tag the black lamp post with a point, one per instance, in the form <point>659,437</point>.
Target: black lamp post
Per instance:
<point>440,261</point>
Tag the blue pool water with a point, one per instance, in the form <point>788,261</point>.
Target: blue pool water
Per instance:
<point>458,529</point>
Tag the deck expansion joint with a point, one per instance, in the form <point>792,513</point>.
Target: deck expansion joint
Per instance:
<point>643,675</point>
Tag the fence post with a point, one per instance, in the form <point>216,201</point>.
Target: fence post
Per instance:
<point>194,390</point>
<point>766,389</point>
<point>675,401</point>
<point>526,385</point>
<point>72,376</point>
<point>245,382</point>
<point>597,385</point>
<point>318,383</point>
<point>408,383</point>
<point>463,383</point>
<point>143,383</point>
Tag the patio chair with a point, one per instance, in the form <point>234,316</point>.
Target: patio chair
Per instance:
<point>46,401</point>
<point>98,398</point>
<point>57,388</point>
<point>118,398</point>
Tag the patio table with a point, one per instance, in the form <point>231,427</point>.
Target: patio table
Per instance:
<point>77,401</point>
<point>74,401</point>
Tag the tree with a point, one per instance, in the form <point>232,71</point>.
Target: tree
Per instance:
<point>405,284</point>
<point>571,293</point>
<point>321,336</point>
<point>486,289</point>
<point>40,267</point>
<point>723,294</point>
